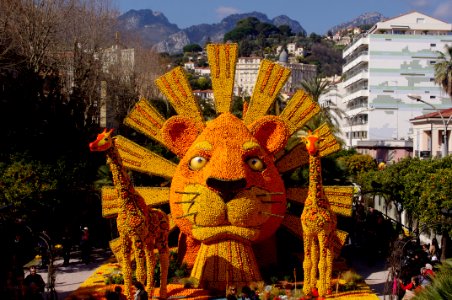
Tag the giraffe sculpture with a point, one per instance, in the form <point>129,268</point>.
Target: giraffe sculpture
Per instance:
<point>141,229</point>
<point>318,220</point>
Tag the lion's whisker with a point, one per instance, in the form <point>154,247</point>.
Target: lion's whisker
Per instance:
<point>273,215</point>
<point>188,193</point>
<point>186,215</point>
<point>267,194</point>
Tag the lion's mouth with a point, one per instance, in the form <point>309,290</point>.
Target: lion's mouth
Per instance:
<point>208,234</point>
<point>242,214</point>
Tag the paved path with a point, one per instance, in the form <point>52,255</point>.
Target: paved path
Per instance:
<point>375,275</point>
<point>69,278</point>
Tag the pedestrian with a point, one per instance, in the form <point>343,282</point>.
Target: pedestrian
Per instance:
<point>411,288</point>
<point>34,285</point>
<point>246,293</point>
<point>141,293</point>
<point>85,246</point>
<point>118,291</point>
<point>434,248</point>
<point>232,293</point>
<point>66,242</point>
<point>429,270</point>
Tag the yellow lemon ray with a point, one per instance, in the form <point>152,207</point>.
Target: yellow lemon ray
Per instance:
<point>153,196</point>
<point>175,86</point>
<point>146,119</point>
<point>292,223</point>
<point>299,110</point>
<point>339,197</point>
<point>138,158</point>
<point>296,157</point>
<point>270,80</point>
<point>222,61</point>
<point>327,142</point>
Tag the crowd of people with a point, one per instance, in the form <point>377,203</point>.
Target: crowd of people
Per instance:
<point>417,266</point>
<point>246,294</point>
<point>13,283</point>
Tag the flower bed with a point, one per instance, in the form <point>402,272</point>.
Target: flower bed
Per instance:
<point>95,287</point>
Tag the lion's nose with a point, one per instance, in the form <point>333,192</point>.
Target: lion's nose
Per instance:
<point>227,188</point>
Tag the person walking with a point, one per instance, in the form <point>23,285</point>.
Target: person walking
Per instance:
<point>141,293</point>
<point>85,245</point>
<point>34,285</point>
<point>118,291</point>
<point>232,293</point>
<point>66,241</point>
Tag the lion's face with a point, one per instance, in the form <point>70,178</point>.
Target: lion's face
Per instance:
<point>226,184</point>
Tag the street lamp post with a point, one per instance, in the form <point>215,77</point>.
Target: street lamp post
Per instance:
<point>445,146</point>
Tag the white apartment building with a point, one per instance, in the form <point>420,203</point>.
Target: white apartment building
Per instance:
<point>247,69</point>
<point>394,59</point>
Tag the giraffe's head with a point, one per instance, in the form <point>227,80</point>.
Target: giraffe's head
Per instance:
<point>312,141</point>
<point>103,141</point>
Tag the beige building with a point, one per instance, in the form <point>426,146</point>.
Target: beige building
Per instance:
<point>247,69</point>
<point>428,134</point>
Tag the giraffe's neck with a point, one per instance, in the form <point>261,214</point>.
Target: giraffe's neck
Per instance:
<point>317,195</point>
<point>121,180</point>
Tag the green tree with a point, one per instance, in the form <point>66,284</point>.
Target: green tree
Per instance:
<point>443,70</point>
<point>285,30</point>
<point>422,187</point>
<point>192,48</point>
<point>316,87</point>
<point>357,163</point>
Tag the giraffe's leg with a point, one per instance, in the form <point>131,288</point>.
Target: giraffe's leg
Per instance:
<point>150,265</point>
<point>140,260</point>
<point>126,266</point>
<point>314,264</point>
<point>322,284</point>
<point>329,263</point>
<point>163,249</point>
<point>307,264</point>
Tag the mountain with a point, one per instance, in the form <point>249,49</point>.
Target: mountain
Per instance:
<point>370,18</point>
<point>155,29</point>
<point>152,27</point>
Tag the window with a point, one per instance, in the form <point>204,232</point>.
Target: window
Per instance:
<point>432,97</point>
<point>432,45</point>
<point>420,20</point>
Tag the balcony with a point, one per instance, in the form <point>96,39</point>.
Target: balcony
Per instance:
<point>357,42</point>
<point>353,61</point>
<point>357,93</point>
<point>356,76</point>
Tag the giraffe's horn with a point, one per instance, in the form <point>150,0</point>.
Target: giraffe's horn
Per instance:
<point>110,131</point>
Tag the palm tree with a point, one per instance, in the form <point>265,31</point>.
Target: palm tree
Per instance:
<point>315,87</point>
<point>443,70</point>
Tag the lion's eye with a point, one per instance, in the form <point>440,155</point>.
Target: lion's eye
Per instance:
<point>256,164</point>
<point>197,163</point>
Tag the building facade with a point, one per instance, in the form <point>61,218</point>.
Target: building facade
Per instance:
<point>428,137</point>
<point>394,59</point>
<point>247,69</point>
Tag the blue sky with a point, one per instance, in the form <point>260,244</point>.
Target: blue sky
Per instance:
<point>315,16</point>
